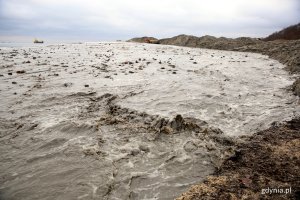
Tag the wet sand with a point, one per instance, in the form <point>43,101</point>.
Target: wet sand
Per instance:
<point>129,121</point>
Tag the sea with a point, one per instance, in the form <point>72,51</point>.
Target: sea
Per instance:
<point>31,44</point>
<point>21,44</point>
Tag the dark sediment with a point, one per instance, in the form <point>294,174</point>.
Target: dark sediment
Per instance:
<point>268,159</point>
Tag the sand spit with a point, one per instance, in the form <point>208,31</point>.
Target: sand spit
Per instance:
<point>128,121</point>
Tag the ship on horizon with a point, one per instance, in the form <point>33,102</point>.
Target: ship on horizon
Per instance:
<point>36,41</point>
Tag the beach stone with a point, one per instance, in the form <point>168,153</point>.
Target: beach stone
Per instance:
<point>20,72</point>
<point>68,84</point>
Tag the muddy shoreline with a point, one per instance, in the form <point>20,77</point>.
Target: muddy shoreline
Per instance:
<point>269,158</point>
<point>285,51</point>
<point>102,116</point>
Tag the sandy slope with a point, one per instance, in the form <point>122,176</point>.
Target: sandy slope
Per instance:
<point>90,120</point>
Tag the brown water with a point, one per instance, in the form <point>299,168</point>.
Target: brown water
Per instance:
<point>59,140</point>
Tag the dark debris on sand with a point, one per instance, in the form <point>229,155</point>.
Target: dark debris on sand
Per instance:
<point>268,159</point>
<point>286,52</point>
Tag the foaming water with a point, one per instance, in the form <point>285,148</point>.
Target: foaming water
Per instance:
<point>63,138</point>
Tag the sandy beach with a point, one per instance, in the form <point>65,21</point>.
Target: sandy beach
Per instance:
<point>129,121</point>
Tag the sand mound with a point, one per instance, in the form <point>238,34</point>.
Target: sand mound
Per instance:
<point>209,42</point>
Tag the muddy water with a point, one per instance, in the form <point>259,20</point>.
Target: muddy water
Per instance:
<point>240,93</point>
<point>60,138</point>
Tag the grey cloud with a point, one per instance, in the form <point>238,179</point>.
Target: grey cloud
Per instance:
<point>120,19</point>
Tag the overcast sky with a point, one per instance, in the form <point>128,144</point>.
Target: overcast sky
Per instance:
<point>94,20</point>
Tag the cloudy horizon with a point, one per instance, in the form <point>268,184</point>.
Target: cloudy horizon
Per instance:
<point>96,20</point>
